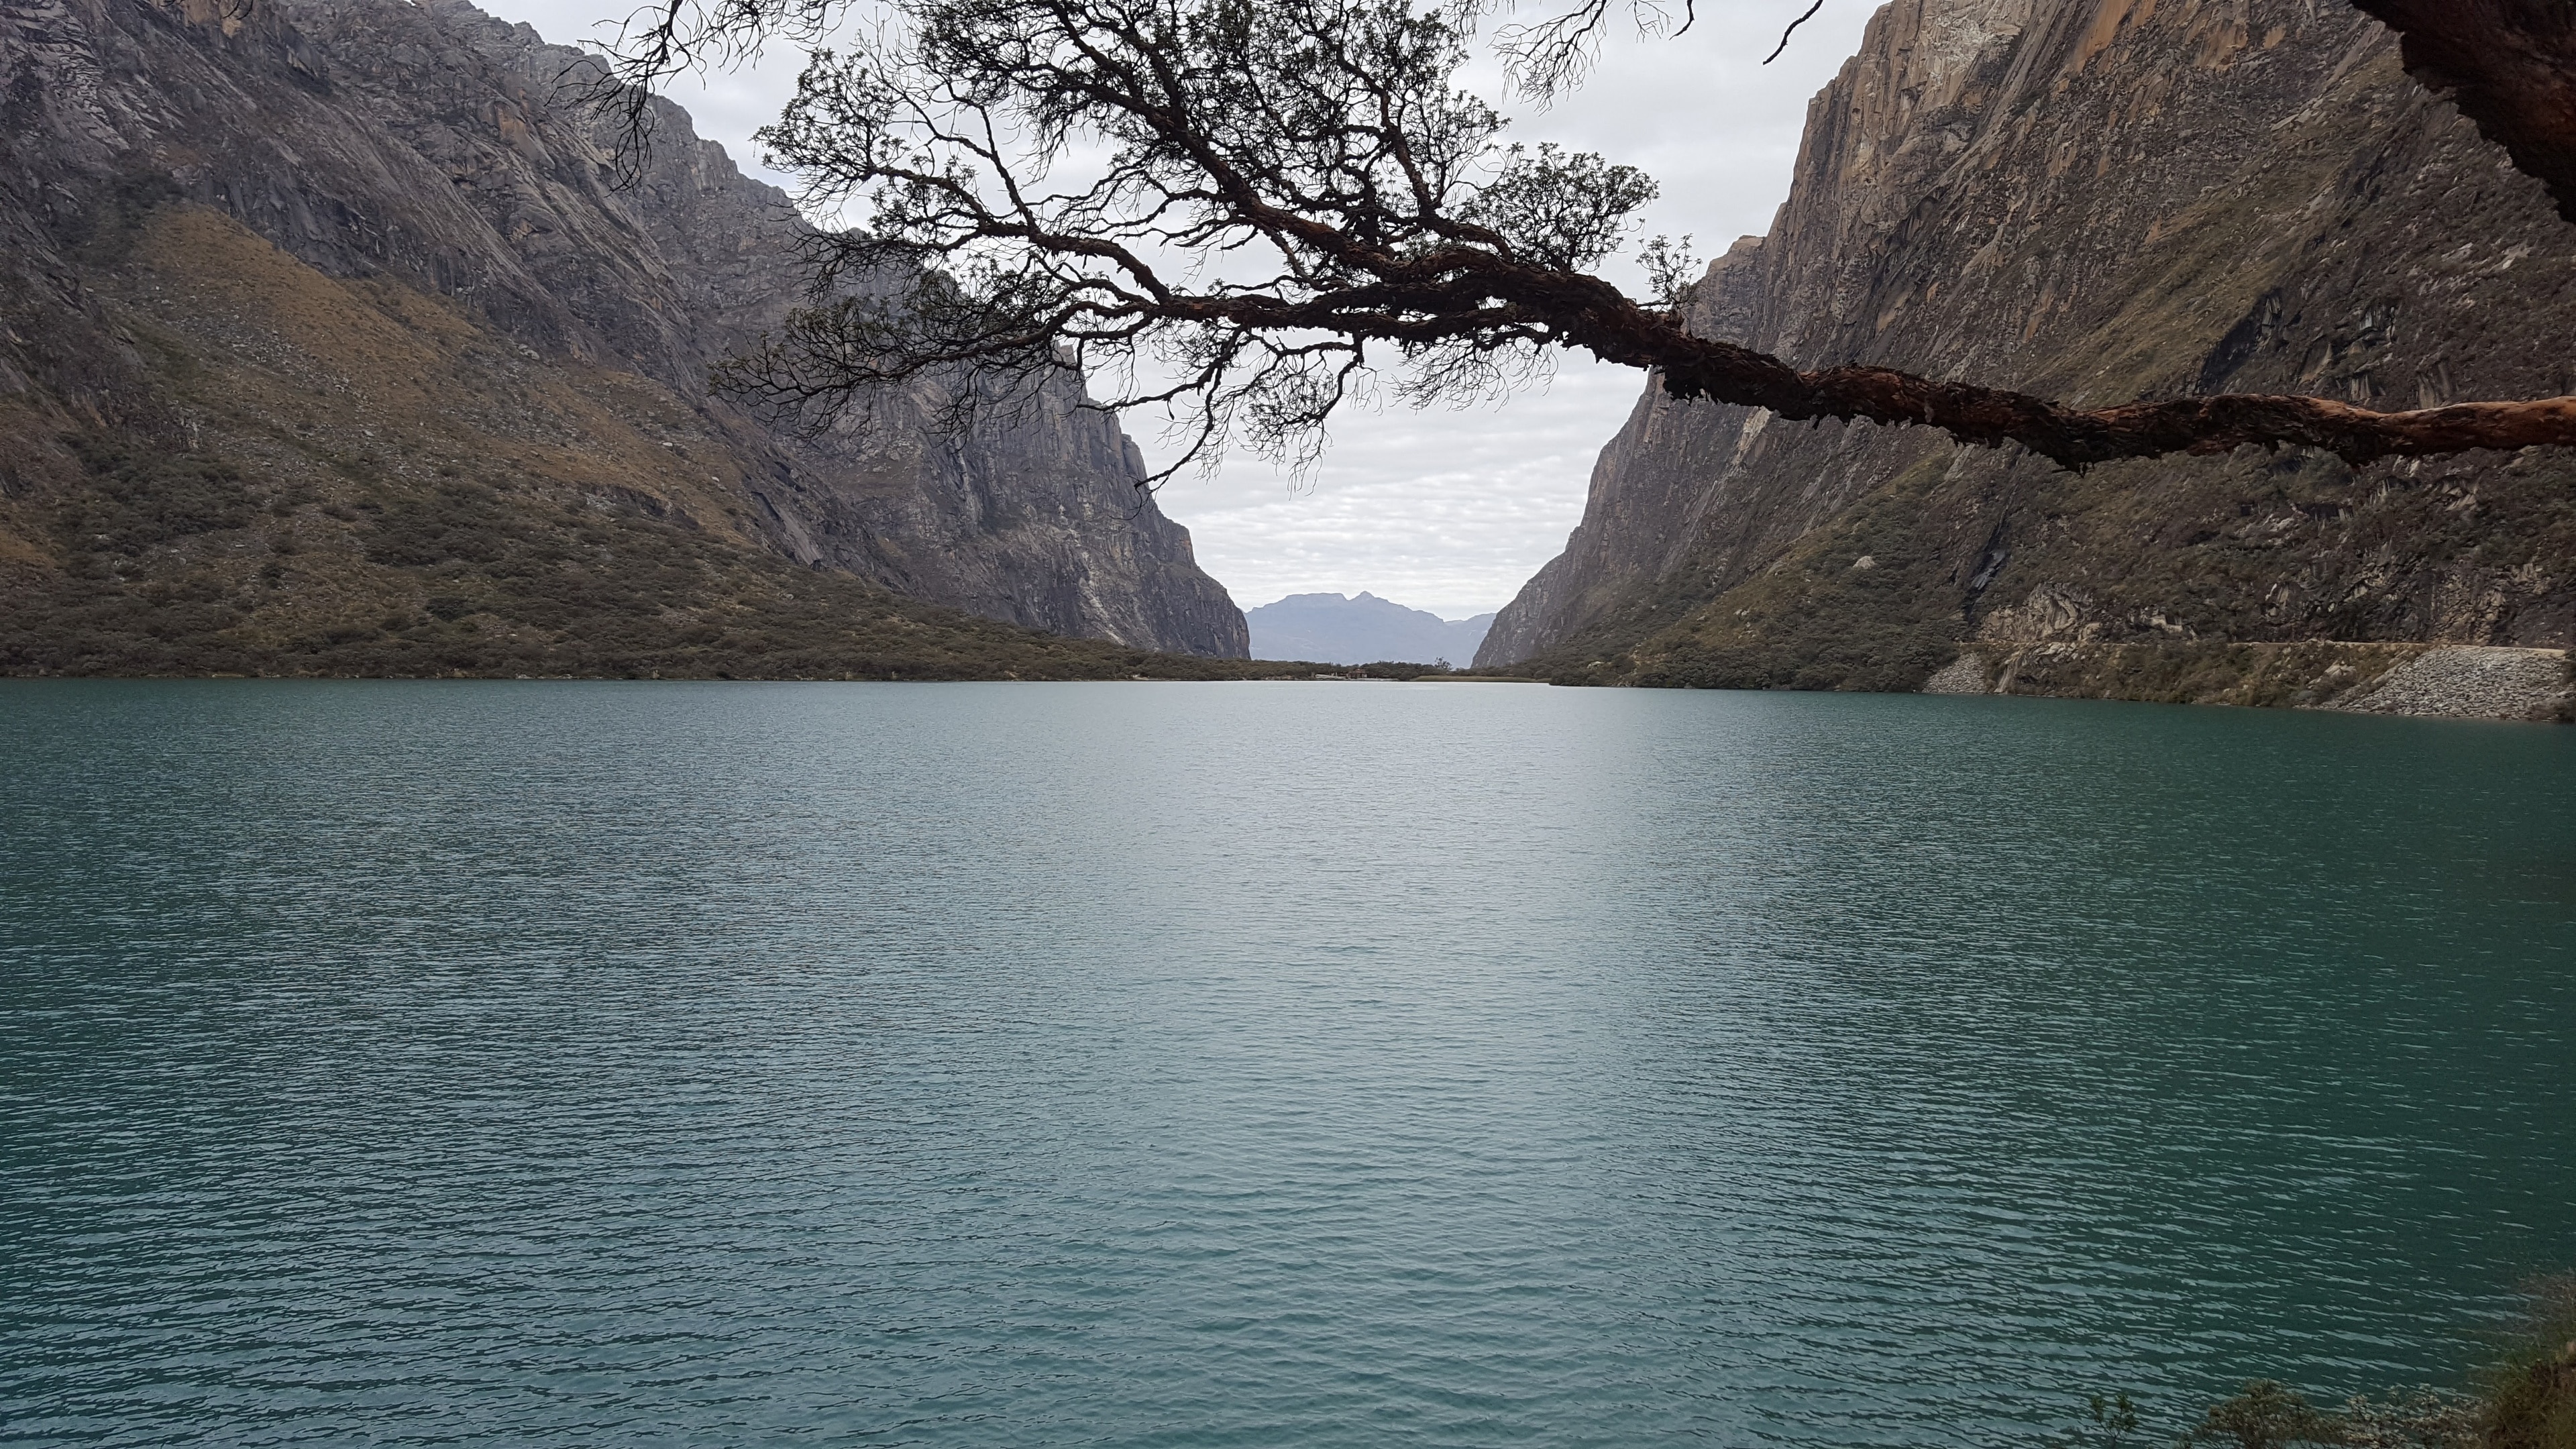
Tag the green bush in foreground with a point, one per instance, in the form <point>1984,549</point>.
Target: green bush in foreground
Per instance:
<point>2526,1401</point>
<point>2271,1415</point>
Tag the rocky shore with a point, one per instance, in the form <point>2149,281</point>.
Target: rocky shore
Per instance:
<point>2450,681</point>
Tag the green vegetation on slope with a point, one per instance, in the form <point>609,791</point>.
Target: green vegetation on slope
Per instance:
<point>2176,585</point>
<point>185,564</point>
<point>350,478</point>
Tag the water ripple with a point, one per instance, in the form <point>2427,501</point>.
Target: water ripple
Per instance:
<point>1242,1064</point>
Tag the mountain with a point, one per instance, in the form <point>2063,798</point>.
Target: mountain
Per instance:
<point>333,344</point>
<point>1331,629</point>
<point>2099,200</point>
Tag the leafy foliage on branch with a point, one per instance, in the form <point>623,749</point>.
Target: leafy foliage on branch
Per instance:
<point>1244,211</point>
<point>1253,202</point>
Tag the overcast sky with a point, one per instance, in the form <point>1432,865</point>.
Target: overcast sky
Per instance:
<point>1451,510</point>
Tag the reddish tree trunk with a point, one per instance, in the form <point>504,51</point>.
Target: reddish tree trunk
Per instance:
<point>2509,65</point>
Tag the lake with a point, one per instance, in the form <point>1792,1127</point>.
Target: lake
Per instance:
<point>1255,1064</point>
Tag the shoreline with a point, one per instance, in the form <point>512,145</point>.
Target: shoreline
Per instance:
<point>2418,680</point>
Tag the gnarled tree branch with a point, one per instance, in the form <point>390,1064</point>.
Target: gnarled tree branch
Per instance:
<point>1268,200</point>
<point>2509,65</point>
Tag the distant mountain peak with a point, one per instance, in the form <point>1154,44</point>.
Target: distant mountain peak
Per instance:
<point>1361,629</point>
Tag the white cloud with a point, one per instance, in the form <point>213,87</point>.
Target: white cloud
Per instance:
<point>1441,510</point>
<point>1451,510</point>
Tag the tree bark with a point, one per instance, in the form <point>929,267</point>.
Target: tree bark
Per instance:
<point>2509,65</point>
<point>1691,367</point>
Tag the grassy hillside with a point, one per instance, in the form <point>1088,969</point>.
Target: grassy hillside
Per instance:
<point>339,477</point>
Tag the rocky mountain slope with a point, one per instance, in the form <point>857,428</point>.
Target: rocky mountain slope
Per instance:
<point>2098,200</point>
<point>333,342</point>
<point>1363,630</point>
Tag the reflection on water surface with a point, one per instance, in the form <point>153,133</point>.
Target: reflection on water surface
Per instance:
<point>1254,1064</point>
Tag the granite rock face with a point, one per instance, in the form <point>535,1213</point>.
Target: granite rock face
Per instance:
<point>432,149</point>
<point>2096,200</point>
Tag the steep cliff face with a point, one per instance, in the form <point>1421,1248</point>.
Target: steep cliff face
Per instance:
<point>2096,200</point>
<point>544,333</point>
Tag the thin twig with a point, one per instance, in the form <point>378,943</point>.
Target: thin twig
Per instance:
<point>1792,30</point>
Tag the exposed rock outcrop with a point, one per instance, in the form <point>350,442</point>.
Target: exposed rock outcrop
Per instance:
<point>2449,680</point>
<point>2473,682</point>
<point>430,152</point>
<point>2096,200</point>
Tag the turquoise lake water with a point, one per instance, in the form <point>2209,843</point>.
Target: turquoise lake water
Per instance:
<point>1255,1064</point>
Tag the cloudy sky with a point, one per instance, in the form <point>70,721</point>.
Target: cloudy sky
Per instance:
<point>1450,510</point>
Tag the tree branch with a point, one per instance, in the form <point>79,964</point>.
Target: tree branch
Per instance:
<point>1332,133</point>
<point>2509,65</point>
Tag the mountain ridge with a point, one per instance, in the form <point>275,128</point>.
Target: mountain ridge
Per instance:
<point>1365,629</point>
<point>367,260</point>
<point>2095,203</point>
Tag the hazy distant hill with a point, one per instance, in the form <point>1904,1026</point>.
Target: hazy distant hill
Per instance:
<point>1331,629</point>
